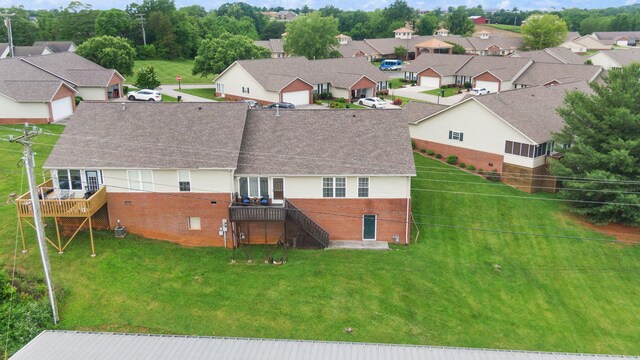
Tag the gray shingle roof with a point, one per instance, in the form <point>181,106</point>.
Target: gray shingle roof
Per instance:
<point>443,64</point>
<point>353,47</point>
<point>614,35</point>
<point>151,135</point>
<point>553,55</point>
<point>274,74</point>
<point>25,83</point>
<point>3,47</point>
<point>275,45</point>
<point>74,68</point>
<point>543,73</point>
<point>55,46</point>
<point>623,57</point>
<point>572,35</point>
<point>76,345</point>
<point>532,110</point>
<point>28,51</point>
<point>415,111</point>
<point>326,142</point>
<point>507,43</point>
<point>504,68</point>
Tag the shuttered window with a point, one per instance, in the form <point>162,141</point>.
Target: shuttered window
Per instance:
<point>456,135</point>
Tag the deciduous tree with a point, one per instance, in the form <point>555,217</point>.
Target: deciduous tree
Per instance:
<point>113,22</point>
<point>427,24</point>
<point>110,52</point>
<point>146,78</point>
<point>312,36</point>
<point>216,54</point>
<point>601,168</point>
<point>543,31</point>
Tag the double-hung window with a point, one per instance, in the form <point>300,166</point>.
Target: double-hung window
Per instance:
<point>334,187</point>
<point>69,180</point>
<point>363,187</point>
<point>184,180</point>
<point>140,180</point>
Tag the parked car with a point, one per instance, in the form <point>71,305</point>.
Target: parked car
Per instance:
<point>145,95</point>
<point>281,105</point>
<point>391,65</point>
<point>252,104</point>
<point>372,102</point>
<point>479,91</point>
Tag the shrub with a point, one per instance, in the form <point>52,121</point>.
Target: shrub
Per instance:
<point>467,85</point>
<point>462,165</point>
<point>147,78</point>
<point>341,100</point>
<point>423,150</point>
<point>480,171</point>
<point>397,101</point>
<point>145,52</point>
<point>493,175</point>
<point>78,99</point>
<point>431,152</point>
<point>438,156</point>
<point>471,167</point>
<point>452,159</point>
<point>413,144</point>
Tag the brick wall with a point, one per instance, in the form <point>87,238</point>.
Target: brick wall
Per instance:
<point>165,216</point>
<point>298,85</point>
<point>342,218</point>
<point>7,121</point>
<point>479,159</point>
<point>431,73</point>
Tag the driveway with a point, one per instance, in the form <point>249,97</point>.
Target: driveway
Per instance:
<point>415,92</point>
<point>171,90</point>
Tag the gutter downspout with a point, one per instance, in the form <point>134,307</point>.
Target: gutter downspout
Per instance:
<point>406,235</point>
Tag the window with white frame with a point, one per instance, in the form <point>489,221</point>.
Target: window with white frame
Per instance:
<point>220,87</point>
<point>184,180</point>
<point>456,135</point>
<point>363,187</point>
<point>194,223</point>
<point>245,90</point>
<point>334,187</point>
<point>140,180</point>
<point>69,179</point>
<point>254,187</point>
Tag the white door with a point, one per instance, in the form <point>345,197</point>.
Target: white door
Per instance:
<point>62,108</point>
<point>430,81</point>
<point>492,86</point>
<point>296,97</point>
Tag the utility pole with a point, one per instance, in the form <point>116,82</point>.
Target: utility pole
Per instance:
<point>144,35</point>
<point>26,140</point>
<point>7,23</point>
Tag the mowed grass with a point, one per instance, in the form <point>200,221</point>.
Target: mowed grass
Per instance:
<point>168,70</point>
<point>566,290</point>
<point>207,93</point>
<point>442,92</point>
<point>512,28</point>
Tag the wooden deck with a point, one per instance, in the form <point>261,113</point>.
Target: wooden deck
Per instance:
<point>58,208</point>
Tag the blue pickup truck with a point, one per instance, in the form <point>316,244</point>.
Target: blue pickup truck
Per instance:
<point>390,65</point>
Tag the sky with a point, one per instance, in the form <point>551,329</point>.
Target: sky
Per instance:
<point>352,5</point>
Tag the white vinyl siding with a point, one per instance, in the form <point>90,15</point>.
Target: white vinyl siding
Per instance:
<point>184,180</point>
<point>140,180</point>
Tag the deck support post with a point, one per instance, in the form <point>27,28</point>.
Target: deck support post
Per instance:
<point>93,249</point>
<point>24,245</point>
<point>55,219</point>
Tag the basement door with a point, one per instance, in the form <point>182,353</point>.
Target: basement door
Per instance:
<point>369,227</point>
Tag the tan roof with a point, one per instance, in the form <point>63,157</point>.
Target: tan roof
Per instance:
<point>434,44</point>
<point>274,45</point>
<point>25,83</point>
<point>414,111</point>
<point>504,68</point>
<point>553,55</point>
<point>342,36</point>
<point>532,110</point>
<point>403,29</point>
<point>443,64</point>
<point>353,47</point>
<point>326,142</point>
<point>507,43</point>
<point>73,68</point>
<point>572,35</point>
<point>543,73</point>
<point>151,136</point>
<point>483,32</point>
<point>623,57</point>
<point>591,44</point>
<point>442,29</point>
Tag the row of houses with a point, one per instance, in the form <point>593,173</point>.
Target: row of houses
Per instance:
<point>42,89</point>
<point>38,48</point>
<point>498,74</point>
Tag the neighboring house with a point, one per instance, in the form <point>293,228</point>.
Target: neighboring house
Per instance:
<point>28,51</point>
<point>92,81</point>
<point>58,46</point>
<point>610,59</point>
<point>491,45</point>
<point>185,176</point>
<point>276,46</point>
<point>479,20</point>
<point>510,132</point>
<point>558,55</point>
<point>5,50</point>
<point>554,74</point>
<point>583,44</point>
<point>30,95</point>
<point>286,15</point>
<point>296,79</point>
<point>619,38</point>
<point>493,73</point>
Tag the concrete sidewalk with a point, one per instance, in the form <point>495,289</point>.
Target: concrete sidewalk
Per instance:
<point>415,92</point>
<point>171,90</point>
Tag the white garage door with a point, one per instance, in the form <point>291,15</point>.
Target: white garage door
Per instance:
<point>492,86</point>
<point>62,108</point>
<point>296,97</point>
<point>430,81</point>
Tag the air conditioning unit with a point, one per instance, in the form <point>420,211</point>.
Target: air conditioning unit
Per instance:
<point>120,231</point>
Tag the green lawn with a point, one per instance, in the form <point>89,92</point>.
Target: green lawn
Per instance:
<point>447,92</point>
<point>342,105</point>
<point>554,292</point>
<point>167,70</point>
<point>512,28</point>
<point>208,93</point>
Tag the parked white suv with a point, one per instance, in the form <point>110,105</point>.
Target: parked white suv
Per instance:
<point>479,91</point>
<point>145,95</point>
<point>372,102</point>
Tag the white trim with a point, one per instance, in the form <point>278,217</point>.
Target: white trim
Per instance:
<point>358,187</point>
<point>375,230</point>
<point>188,176</point>
<point>272,191</point>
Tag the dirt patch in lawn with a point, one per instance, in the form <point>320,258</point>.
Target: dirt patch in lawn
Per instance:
<point>625,233</point>
<point>496,32</point>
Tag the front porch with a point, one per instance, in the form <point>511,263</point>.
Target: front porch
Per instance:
<point>62,204</point>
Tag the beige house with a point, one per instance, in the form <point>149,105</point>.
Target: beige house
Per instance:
<point>610,59</point>
<point>276,46</point>
<point>509,132</point>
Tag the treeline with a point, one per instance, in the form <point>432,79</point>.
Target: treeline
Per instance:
<point>176,33</point>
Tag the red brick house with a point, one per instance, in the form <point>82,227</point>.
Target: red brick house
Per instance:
<point>213,174</point>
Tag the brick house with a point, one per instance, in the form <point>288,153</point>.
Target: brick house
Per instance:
<point>200,165</point>
<point>510,132</point>
<point>296,79</point>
